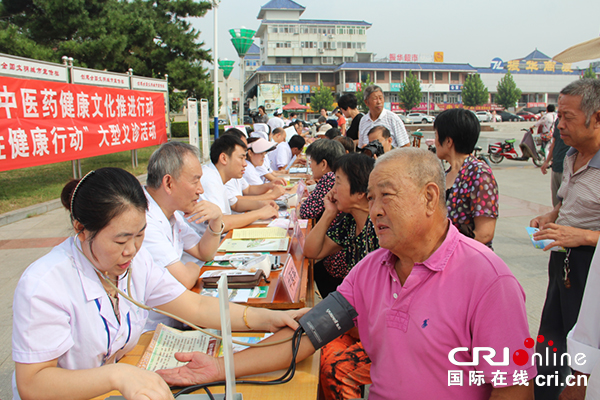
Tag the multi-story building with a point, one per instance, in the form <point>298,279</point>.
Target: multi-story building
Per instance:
<point>285,39</point>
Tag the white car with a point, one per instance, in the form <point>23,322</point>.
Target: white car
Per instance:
<point>484,116</point>
<point>416,118</point>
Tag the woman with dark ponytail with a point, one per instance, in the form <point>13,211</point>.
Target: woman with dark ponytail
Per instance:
<point>71,325</point>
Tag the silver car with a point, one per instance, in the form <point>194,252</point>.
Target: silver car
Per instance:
<point>484,116</point>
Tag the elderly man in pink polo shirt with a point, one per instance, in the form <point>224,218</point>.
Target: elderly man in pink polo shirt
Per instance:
<point>431,302</point>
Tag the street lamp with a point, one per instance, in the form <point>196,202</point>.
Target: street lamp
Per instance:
<point>215,4</point>
<point>242,39</point>
<point>227,66</point>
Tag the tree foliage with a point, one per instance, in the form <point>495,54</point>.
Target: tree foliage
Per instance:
<point>360,98</point>
<point>323,98</point>
<point>474,92</point>
<point>507,91</point>
<point>410,92</point>
<point>589,73</point>
<point>154,38</point>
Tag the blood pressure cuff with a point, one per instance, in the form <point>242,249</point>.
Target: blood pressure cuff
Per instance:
<point>332,317</point>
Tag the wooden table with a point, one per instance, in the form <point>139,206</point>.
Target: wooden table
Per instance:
<point>303,386</point>
<point>277,297</point>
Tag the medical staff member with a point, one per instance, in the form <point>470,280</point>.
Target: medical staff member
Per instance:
<point>70,325</point>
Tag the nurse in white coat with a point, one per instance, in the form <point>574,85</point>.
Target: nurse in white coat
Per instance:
<point>70,326</point>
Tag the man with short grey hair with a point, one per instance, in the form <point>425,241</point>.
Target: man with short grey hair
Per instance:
<point>574,225</point>
<point>377,115</point>
<point>173,185</point>
<point>424,300</point>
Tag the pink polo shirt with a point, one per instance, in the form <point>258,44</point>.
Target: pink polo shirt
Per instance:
<point>462,296</point>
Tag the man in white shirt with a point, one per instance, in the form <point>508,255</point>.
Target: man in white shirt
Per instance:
<point>282,155</point>
<point>377,115</point>
<point>228,160</point>
<point>276,121</point>
<point>174,184</point>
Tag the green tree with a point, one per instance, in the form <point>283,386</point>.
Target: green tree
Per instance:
<point>474,92</point>
<point>323,98</point>
<point>360,99</point>
<point>589,73</point>
<point>507,91</point>
<point>410,92</point>
<point>154,38</point>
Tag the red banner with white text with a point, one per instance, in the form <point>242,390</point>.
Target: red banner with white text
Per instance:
<point>43,122</point>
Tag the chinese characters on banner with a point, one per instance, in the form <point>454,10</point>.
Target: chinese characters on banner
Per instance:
<point>44,122</point>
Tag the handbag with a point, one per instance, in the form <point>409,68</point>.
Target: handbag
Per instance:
<point>237,281</point>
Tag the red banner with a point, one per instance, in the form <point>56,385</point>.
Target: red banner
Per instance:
<point>44,122</point>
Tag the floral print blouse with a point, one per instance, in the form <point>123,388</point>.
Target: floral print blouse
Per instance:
<point>313,206</point>
<point>473,194</point>
<point>343,232</point>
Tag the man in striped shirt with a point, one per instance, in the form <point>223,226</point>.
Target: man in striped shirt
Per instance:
<point>377,115</point>
<point>573,224</point>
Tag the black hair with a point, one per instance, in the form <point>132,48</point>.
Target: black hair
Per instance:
<point>102,195</point>
<point>461,125</point>
<point>348,101</point>
<point>297,142</point>
<point>234,132</point>
<point>550,108</point>
<point>263,108</point>
<point>385,132</point>
<point>357,167</point>
<point>348,143</point>
<point>321,120</point>
<point>225,144</point>
<point>328,150</point>
<point>332,133</point>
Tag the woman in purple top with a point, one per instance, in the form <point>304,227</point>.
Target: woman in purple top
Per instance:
<point>471,189</point>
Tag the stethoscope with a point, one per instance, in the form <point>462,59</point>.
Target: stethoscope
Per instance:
<point>165,313</point>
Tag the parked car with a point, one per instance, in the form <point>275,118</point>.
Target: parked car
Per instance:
<point>484,116</point>
<point>506,116</point>
<point>528,116</point>
<point>404,119</point>
<point>222,122</point>
<point>416,118</point>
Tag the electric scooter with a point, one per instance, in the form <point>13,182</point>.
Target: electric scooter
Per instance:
<point>500,150</point>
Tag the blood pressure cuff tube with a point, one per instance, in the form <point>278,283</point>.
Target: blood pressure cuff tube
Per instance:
<point>331,318</point>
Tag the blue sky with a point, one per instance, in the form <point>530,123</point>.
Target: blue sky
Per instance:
<point>467,31</point>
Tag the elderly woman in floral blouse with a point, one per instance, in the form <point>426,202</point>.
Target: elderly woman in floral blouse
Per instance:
<point>471,189</point>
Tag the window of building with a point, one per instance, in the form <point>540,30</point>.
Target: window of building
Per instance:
<point>292,78</point>
<point>309,78</point>
<point>351,30</point>
<point>304,29</point>
<point>326,60</point>
<point>361,31</point>
<point>349,59</point>
<point>283,60</point>
<point>424,75</point>
<point>396,76</point>
<point>273,29</point>
<point>327,78</point>
<point>307,60</point>
<point>437,97</point>
<point>380,75</point>
<point>277,78</point>
<point>340,30</point>
<point>439,76</point>
<point>394,97</point>
<point>452,98</point>
<point>454,76</point>
<point>313,29</point>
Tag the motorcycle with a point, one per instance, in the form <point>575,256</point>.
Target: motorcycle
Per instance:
<point>529,149</point>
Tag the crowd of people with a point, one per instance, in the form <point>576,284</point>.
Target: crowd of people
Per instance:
<point>404,242</point>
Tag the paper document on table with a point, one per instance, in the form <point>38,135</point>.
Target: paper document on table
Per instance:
<point>236,246</point>
<point>282,223</point>
<point>160,353</point>
<point>259,233</point>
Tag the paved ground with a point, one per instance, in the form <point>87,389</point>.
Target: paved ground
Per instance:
<point>525,193</point>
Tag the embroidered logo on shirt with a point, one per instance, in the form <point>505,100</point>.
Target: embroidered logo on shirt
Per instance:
<point>425,323</point>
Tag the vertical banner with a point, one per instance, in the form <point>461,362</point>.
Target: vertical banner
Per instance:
<point>44,122</point>
<point>205,129</point>
<point>192,114</point>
